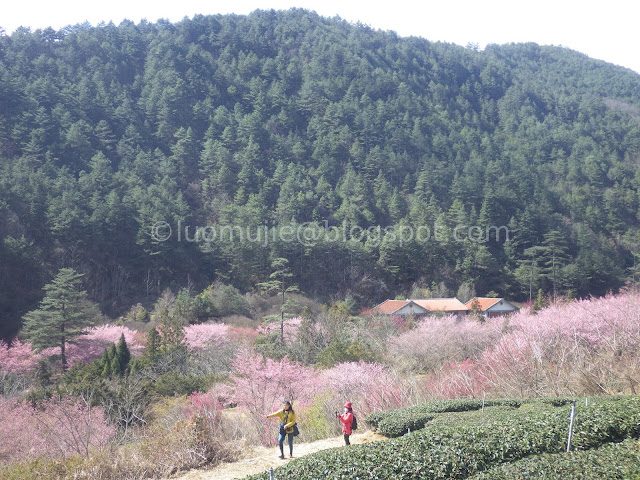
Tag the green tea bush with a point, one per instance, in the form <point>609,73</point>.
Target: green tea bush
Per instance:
<point>458,451</point>
<point>395,423</point>
<point>611,461</point>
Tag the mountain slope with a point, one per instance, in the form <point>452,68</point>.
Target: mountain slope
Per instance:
<point>267,121</point>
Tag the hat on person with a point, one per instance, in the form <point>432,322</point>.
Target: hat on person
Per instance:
<point>347,405</point>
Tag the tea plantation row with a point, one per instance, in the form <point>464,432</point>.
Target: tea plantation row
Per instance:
<point>460,450</point>
<point>613,461</point>
<point>397,422</point>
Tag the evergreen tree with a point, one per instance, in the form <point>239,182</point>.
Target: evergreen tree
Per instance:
<point>555,256</point>
<point>279,283</point>
<point>62,316</point>
<point>123,354</point>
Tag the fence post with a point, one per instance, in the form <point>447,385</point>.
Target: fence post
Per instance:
<point>271,473</point>
<point>573,414</point>
<point>586,401</point>
<point>409,431</point>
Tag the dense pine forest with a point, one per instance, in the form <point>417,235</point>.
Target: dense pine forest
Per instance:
<point>506,170</point>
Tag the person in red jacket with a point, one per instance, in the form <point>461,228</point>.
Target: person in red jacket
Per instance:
<point>347,420</point>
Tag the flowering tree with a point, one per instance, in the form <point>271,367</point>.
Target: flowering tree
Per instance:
<point>261,385</point>
<point>92,343</point>
<point>370,386</point>
<point>18,358</point>
<point>583,347</point>
<point>289,328</point>
<point>436,341</point>
<point>199,336</point>
<point>457,380</point>
<point>210,348</point>
<point>55,428</point>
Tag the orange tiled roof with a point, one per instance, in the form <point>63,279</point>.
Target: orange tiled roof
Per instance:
<point>390,306</point>
<point>485,302</point>
<point>442,304</point>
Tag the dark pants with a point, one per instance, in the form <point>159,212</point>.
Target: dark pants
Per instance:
<point>281,442</point>
<point>346,439</point>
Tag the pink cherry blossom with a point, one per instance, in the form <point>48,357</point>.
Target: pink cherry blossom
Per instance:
<point>370,386</point>
<point>260,385</point>
<point>199,336</point>
<point>290,328</point>
<point>90,346</point>
<point>18,357</point>
<point>56,428</point>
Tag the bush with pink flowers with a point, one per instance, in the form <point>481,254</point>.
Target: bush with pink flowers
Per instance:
<point>55,428</point>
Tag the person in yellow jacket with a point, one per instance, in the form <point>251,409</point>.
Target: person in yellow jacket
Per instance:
<point>287,420</point>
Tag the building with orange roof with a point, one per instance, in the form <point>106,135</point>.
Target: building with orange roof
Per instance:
<point>427,306</point>
<point>400,307</point>
<point>446,305</point>
<point>491,307</point>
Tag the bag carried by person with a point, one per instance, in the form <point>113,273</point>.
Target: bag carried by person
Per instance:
<point>354,424</point>
<point>296,431</point>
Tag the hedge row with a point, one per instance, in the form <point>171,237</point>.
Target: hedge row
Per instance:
<point>458,451</point>
<point>612,461</point>
<point>397,422</point>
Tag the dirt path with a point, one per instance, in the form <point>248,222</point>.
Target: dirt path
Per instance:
<point>260,459</point>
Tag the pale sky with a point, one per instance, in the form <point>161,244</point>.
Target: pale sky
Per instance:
<point>609,31</point>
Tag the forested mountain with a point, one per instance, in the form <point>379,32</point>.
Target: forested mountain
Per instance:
<point>269,121</point>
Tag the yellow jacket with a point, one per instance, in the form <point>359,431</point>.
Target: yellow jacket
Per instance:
<point>286,417</point>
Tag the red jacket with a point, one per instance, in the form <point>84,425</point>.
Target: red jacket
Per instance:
<point>347,421</point>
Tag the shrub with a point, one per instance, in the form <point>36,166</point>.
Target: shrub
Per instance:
<point>395,423</point>
<point>176,384</point>
<point>42,469</point>
<point>611,461</point>
<point>220,300</point>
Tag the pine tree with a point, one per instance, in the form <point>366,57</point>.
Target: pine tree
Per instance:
<point>278,283</point>
<point>540,303</point>
<point>105,361</point>
<point>62,316</point>
<point>114,364</point>
<point>153,342</point>
<point>123,354</point>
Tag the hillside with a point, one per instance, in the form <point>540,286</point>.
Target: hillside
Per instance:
<point>162,397</point>
<point>268,122</point>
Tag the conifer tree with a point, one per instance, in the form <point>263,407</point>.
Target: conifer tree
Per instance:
<point>153,341</point>
<point>123,354</point>
<point>106,364</point>
<point>62,316</point>
<point>114,366</point>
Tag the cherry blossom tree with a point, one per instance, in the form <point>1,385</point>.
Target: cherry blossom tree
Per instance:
<point>56,428</point>
<point>199,336</point>
<point>92,343</point>
<point>18,358</point>
<point>370,386</point>
<point>260,386</point>
<point>436,341</point>
<point>589,346</point>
